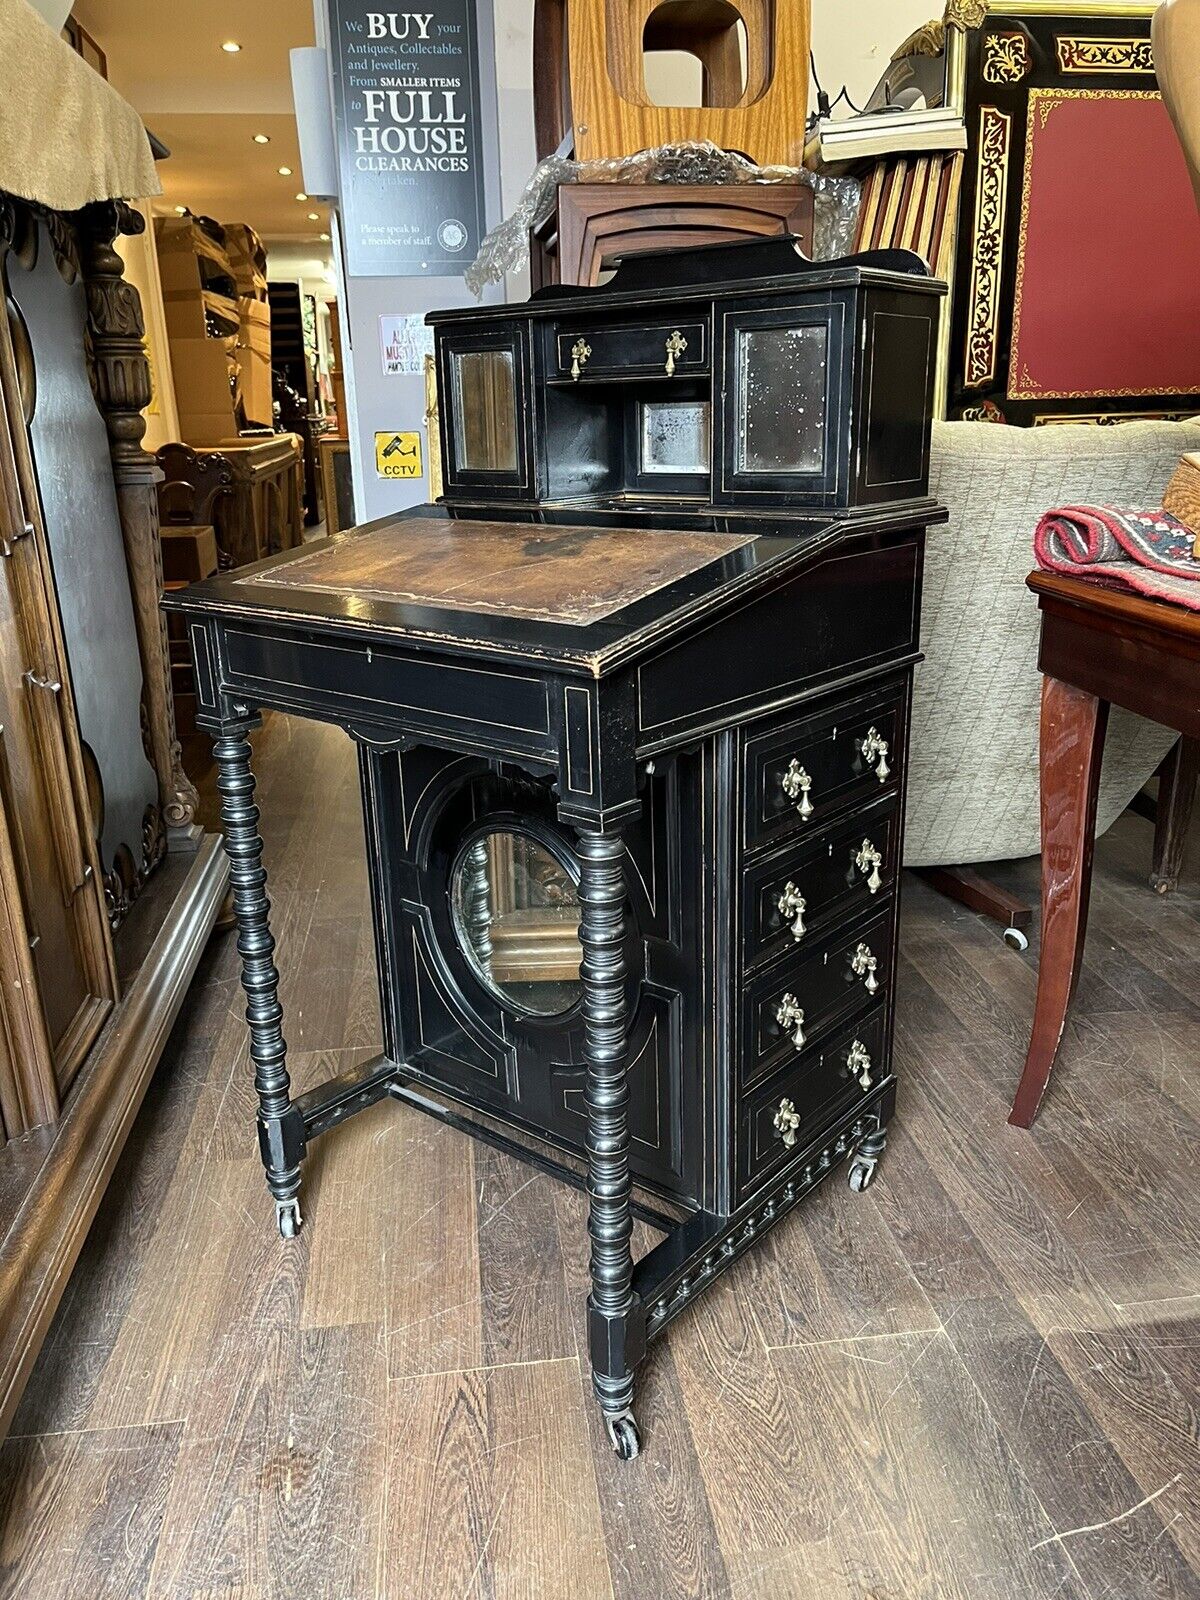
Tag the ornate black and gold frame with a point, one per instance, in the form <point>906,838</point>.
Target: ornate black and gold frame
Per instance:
<point>997,70</point>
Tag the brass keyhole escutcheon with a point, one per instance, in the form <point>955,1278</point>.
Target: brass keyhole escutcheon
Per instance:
<point>676,345</point>
<point>580,351</point>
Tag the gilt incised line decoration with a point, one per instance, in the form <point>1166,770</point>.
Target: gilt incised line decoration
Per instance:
<point>991,203</point>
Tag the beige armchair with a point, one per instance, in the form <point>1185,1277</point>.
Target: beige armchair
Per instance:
<point>973,769</point>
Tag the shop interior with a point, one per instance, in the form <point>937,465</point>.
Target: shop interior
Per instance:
<point>599,725</point>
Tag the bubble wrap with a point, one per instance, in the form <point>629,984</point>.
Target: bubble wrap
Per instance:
<point>506,248</point>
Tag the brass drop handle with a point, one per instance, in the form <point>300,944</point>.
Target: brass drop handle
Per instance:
<point>796,784</point>
<point>580,351</point>
<point>789,1014</point>
<point>792,906</point>
<point>875,750</point>
<point>868,861</point>
<point>676,345</point>
<point>858,1064</point>
<point>787,1120</point>
<point>36,681</point>
<point>863,964</point>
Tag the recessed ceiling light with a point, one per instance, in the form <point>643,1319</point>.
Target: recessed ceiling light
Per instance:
<point>285,172</point>
<point>231,47</point>
<point>325,237</point>
<point>302,196</point>
<point>181,211</point>
<point>314,216</point>
<point>262,138</point>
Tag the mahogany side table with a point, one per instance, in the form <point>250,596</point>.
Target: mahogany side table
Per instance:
<point>1099,647</point>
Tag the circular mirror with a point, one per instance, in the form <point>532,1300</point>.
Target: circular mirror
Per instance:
<point>516,914</point>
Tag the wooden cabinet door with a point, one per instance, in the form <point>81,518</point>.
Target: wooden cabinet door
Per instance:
<point>53,927</point>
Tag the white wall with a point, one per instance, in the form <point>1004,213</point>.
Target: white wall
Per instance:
<point>55,12</point>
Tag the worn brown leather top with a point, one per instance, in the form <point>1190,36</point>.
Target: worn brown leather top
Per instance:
<point>573,575</point>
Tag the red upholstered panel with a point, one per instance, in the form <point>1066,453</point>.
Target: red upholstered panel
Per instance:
<point>1108,285</point>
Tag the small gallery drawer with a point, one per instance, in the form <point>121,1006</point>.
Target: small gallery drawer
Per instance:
<point>800,774</point>
<point>791,897</point>
<point>788,1113</point>
<point>638,350</point>
<point>791,1008</point>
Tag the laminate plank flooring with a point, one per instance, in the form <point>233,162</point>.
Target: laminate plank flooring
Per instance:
<point>978,1381</point>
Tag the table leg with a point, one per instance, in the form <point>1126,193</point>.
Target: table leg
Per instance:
<point>616,1327</point>
<point>1176,797</point>
<point>280,1123</point>
<point>1072,745</point>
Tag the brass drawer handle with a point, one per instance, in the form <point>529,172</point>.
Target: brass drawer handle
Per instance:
<point>863,964</point>
<point>676,345</point>
<point>789,1014</point>
<point>858,1064</point>
<point>868,861</point>
<point>875,750</point>
<point>580,351</point>
<point>787,1120</point>
<point>792,906</point>
<point>796,783</point>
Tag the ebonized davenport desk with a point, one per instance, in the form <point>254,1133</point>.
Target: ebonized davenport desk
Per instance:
<point>632,767</point>
<point>1099,647</point>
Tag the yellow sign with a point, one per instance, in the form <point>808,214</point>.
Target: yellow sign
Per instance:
<point>398,455</point>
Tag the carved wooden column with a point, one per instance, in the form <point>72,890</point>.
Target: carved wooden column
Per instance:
<point>120,376</point>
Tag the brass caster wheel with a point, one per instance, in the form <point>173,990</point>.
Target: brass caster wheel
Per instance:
<point>862,1173</point>
<point>1015,939</point>
<point>287,1214</point>
<point>623,1432</point>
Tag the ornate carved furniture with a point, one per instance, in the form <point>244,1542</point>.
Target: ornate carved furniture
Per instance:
<point>264,509</point>
<point>594,223</point>
<point>632,707</point>
<point>1068,132</point>
<point>1098,648</point>
<point>590,76</point>
<point>97,944</point>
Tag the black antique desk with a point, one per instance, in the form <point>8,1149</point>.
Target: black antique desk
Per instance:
<point>632,768</point>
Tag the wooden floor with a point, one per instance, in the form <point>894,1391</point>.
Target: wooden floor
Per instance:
<point>978,1380</point>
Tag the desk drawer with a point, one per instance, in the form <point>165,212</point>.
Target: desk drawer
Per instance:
<point>800,1103</point>
<point>803,773</point>
<point>791,1008</point>
<point>638,350</point>
<point>793,896</point>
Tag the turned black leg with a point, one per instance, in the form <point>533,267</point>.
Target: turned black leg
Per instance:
<point>865,1161</point>
<point>280,1124</point>
<point>616,1324</point>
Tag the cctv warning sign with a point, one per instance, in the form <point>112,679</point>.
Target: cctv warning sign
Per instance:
<point>398,455</point>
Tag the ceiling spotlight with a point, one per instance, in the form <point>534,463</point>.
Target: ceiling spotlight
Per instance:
<point>301,197</point>
<point>314,216</point>
<point>262,138</point>
<point>181,211</point>
<point>231,47</point>
<point>325,237</point>
<point>285,172</point>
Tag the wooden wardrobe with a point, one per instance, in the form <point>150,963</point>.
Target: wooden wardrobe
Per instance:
<point>108,889</point>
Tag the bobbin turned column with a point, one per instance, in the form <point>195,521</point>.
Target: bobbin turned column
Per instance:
<point>616,1325</point>
<point>280,1123</point>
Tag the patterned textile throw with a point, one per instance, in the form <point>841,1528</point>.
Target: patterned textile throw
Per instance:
<point>1150,551</point>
